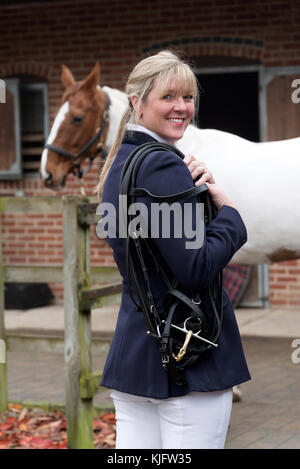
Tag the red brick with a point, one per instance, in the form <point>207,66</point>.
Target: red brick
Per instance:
<point>287,279</point>
<point>17,260</point>
<point>278,286</point>
<point>35,230</point>
<point>101,32</point>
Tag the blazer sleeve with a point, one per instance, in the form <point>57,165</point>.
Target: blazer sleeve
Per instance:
<point>164,173</point>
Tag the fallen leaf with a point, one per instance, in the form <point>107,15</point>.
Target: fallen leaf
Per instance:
<point>110,440</point>
<point>98,424</point>
<point>62,445</point>
<point>15,407</point>
<point>40,443</point>
<point>6,426</point>
<point>23,414</point>
<point>23,427</point>
<point>5,444</point>
<point>110,418</point>
<point>38,429</point>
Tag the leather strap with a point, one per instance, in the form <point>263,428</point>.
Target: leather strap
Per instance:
<point>160,322</point>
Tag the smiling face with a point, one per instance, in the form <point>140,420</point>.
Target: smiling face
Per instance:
<point>167,111</point>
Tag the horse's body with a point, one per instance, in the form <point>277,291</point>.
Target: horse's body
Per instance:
<point>261,178</point>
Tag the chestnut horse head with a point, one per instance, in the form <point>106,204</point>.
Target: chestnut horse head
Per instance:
<point>79,129</point>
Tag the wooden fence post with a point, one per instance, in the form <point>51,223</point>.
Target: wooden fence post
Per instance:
<point>3,367</point>
<point>81,383</point>
<point>85,333</point>
<point>79,412</point>
<point>79,298</point>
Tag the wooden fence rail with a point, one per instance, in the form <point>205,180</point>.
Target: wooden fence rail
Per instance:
<point>77,275</point>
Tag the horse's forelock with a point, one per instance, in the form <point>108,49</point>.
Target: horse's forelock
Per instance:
<point>71,90</point>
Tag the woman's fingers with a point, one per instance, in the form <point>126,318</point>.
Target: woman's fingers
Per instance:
<point>199,170</point>
<point>206,177</point>
<point>188,159</point>
<point>218,196</point>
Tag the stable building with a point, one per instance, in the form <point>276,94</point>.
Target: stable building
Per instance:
<point>246,55</point>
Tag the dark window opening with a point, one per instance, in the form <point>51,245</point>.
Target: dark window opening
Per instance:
<point>229,102</point>
<point>33,132</point>
<point>24,126</point>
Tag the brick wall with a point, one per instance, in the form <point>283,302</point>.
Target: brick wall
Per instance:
<point>285,284</point>
<point>37,38</point>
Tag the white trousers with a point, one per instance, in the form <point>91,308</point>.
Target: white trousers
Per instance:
<point>198,420</point>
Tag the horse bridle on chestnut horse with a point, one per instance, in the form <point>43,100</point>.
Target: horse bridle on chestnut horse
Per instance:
<point>98,137</point>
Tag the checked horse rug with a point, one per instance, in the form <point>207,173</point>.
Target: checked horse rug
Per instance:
<point>235,280</point>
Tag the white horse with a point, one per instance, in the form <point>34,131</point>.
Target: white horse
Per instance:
<point>261,178</point>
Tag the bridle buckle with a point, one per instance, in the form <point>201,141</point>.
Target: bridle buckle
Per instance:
<point>165,360</point>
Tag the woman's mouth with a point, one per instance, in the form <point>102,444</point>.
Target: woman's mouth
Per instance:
<point>176,120</point>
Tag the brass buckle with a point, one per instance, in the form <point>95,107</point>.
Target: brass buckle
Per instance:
<point>182,351</point>
<point>194,334</point>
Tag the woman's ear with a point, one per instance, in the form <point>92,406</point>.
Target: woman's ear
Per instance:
<point>137,105</point>
<point>134,102</point>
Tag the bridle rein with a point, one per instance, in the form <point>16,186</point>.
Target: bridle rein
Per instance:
<point>179,339</point>
<point>100,134</point>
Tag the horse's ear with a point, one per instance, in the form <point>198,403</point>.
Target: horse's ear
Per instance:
<point>67,77</point>
<point>93,78</point>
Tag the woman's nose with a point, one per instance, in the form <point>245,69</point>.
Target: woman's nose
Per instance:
<point>180,104</point>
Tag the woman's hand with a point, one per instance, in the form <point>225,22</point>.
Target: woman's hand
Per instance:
<point>198,168</point>
<point>218,196</point>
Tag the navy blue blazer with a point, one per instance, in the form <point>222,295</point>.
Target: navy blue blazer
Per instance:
<point>134,363</point>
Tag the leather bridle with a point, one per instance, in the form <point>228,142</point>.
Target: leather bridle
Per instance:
<point>99,137</point>
<point>180,343</point>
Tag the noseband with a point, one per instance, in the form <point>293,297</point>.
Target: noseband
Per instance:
<point>100,132</point>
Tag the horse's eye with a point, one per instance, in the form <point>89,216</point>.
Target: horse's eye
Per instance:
<point>77,119</point>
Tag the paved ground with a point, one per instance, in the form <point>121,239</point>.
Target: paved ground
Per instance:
<point>268,415</point>
<point>276,322</point>
<point>39,377</point>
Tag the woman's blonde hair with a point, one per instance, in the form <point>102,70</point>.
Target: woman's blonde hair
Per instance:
<point>156,70</point>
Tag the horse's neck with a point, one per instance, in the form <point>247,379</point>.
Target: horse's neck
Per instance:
<point>118,105</point>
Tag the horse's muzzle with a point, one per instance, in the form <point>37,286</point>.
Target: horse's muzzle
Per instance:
<point>50,184</point>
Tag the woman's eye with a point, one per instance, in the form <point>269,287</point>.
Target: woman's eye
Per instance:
<point>188,97</point>
<point>166,96</point>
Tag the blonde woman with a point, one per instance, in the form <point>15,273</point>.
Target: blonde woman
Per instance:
<point>153,411</point>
